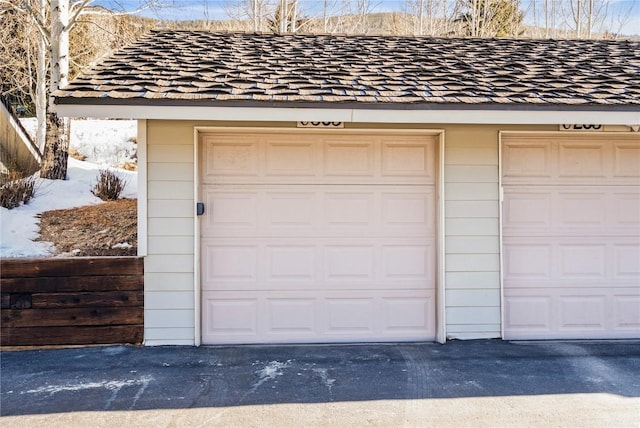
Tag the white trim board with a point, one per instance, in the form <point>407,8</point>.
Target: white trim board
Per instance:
<point>287,114</point>
<point>441,289</point>
<point>142,187</point>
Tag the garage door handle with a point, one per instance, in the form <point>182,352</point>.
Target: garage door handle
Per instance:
<point>199,208</point>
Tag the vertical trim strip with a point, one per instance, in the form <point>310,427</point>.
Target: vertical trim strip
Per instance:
<point>142,187</point>
<point>197,306</point>
<point>500,235</point>
<point>441,308</point>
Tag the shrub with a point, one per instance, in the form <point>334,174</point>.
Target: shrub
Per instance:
<point>109,185</point>
<point>17,191</point>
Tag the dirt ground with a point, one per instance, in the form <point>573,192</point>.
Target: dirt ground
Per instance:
<point>107,229</point>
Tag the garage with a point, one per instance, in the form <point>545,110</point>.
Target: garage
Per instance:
<point>571,235</point>
<point>318,236</point>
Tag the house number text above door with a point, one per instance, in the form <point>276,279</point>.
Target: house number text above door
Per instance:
<point>320,124</point>
<point>577,127</point>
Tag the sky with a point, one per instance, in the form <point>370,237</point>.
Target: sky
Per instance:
<point>216,9</point>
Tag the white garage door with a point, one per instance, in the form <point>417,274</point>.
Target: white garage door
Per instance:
<point>571,227</point>
<point>317,237</point>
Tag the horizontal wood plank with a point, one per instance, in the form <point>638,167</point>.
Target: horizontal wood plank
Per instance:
<point>77,335</point>
<point>65,267</point>
<point>12,318</point>
<point>71,284</point>
<point>87,299</point>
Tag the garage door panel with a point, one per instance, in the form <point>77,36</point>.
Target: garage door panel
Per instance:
<point>291,263</point>
<point>571,210</point>
<point>525,159</point>
<point>231,211</point>
<point>525,208</point>
<point>230,158</point>
<point>586,260</point>
<point>317,316</point>
<point>580,208</point>
<point>289,315</point>
<point>527,313</point>
<point>344,157</point>
<point>627,261</point>
<point>328,263</point>
<point>626,160</point>
<point>415,209</point>
<point>627,310</point>
<point>578,159</point>
<point>349,262</point>
<point>408,157</point>
<point>290,157</point>
<point>230,316</point>
<point>558,312</point>
<point>582,261</point>
<point>349,209</point>
<point>525,260</point>
<point>230,263</point>
<point>565,160</point>
<point>582,312</point>
<point>413,262</point>
<point>626,208</point>
<point>288,209</point>
<point>378,210</point>
<point>571,236</point>
<point>279,158</point>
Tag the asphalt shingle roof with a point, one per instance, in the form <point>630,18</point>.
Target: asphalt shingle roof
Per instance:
<point>214,68</point>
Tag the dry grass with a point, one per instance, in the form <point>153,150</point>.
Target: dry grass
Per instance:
<point>92,230</point>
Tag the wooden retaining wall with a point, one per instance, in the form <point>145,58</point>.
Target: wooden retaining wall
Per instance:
<point>75,301</point>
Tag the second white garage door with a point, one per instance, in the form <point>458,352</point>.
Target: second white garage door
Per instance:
<point>317,237</point>
<point>571,224</point>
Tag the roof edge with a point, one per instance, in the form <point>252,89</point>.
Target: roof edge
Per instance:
<point>342,113</point>
<point>208,103</point>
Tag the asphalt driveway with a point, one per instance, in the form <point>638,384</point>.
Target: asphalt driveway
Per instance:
<point>471,383</point>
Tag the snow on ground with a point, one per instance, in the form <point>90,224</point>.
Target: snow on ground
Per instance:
<point>19,226</point>
<point>105,142</point>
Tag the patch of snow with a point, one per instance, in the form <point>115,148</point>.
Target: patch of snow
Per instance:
<point>104,142</point>
<point>110,385</point>
<point>19,226</point>
<point>124,245</point>
<point>324,376</point>
<point>270,372</point>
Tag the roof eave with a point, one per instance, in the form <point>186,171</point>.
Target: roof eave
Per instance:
<point>522,113</point>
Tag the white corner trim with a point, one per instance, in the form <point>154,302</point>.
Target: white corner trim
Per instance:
<point>288,114</point>
<point>142,187</point>
<point>197,288</point>
<point>500,233</point>
<point>441,304</point>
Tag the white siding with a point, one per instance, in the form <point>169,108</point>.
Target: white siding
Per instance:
<point>169,265</point>
<point>472,233</point>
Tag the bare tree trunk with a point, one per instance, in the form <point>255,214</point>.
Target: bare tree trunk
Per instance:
<point>590,19</point>
<point>283,16</point>
<point>41,83</point>
<point>324,15</point>
<point>420,17</point>
<point>579,18</point>
<point>56,149</point>
<point>294,16</point>
<point>256,16</point>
